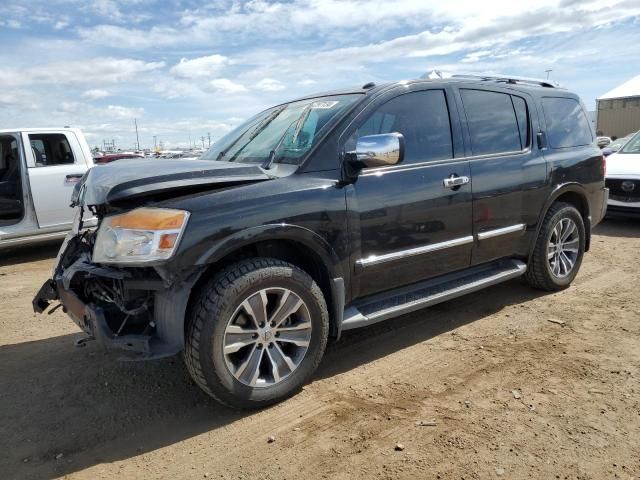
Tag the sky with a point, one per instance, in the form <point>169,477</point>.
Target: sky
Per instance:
<point>186,69</point>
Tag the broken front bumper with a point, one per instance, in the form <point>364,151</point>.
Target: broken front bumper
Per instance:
<point>90,318</point>
<point>168,313</point>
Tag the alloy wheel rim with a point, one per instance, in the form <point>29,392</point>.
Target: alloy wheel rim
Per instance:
<point>563,248</point>
<point>267,337</point>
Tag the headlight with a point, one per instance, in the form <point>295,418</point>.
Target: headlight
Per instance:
<point>139,236</point>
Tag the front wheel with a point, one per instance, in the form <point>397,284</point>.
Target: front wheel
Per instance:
<point>558,250</point>
<point>257,333</point>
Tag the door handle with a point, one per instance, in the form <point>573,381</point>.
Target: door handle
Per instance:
<point>455,181</point>
<point>73,178</point>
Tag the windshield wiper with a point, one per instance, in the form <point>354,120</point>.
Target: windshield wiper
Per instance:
<point>299,124</point>
<point>256,131</point>
<point>272,154</point>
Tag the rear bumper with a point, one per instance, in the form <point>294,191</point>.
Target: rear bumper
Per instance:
<point>601,209</point>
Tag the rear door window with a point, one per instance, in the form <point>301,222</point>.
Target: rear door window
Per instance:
<point>567,124</point>
<point>492,123</point>
<point>421,117</point>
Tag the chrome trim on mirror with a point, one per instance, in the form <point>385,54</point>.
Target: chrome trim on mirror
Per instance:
<point>379,150</point>
<point>496,232</point>
<point>377,259</point>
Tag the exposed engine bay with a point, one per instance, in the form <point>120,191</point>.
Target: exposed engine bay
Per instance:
<point>125,296</point>
<point>115,306</point>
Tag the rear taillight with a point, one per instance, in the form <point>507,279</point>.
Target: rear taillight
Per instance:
<point>604,165</point>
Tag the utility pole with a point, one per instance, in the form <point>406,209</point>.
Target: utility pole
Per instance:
<point>548,72</point>
<point>209,136</point>
<point>135,121</point>
<point>155,143</point>
<point>202,138</point>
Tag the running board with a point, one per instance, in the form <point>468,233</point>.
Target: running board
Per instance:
<point>430,292</point>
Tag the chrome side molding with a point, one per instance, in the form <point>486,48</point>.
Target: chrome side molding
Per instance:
<point>496,232</point>
<point>393,256</point>
<point>456,242</point>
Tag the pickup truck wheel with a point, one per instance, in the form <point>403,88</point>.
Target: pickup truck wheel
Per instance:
<point>559,249</point>
<point>257,333</point>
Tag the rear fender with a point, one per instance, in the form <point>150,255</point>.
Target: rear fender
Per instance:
<point>557,193</point>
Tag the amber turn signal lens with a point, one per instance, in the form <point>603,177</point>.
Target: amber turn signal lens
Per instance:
<point>168,241</point>
<point>150,219</point>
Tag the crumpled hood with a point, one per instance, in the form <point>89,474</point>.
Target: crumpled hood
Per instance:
<point>623,164</point>
<point>126,178</point>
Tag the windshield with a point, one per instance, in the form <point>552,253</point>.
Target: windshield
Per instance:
<point>282,134</point>
<point>633,145</point>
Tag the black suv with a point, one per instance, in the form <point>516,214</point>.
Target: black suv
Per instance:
<point>328,213</point>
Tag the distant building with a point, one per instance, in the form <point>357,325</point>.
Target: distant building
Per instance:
<point>619,110</point>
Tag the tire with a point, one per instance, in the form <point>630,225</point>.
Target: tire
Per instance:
<point>224,311</point>
<point>552,274</point>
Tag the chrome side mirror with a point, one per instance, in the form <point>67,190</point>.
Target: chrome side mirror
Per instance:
<point>378,150</point>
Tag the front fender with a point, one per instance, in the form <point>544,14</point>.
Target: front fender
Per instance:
<point>281,231</point>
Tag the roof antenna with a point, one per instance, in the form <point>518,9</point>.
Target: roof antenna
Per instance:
<point>368,85</point>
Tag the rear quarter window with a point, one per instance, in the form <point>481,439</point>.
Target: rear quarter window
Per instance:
<point>567,124</point>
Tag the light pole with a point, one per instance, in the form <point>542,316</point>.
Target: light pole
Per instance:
<point>548,72</point>
<point>135,121</point>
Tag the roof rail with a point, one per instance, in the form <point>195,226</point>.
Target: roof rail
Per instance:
<point>512,79</point>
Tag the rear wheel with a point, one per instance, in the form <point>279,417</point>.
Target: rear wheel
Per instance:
<point>257,333</point>
<point>559,249</point>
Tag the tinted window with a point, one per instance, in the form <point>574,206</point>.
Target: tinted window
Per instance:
<point>492,122</point>
<point>421,117</point>
<point>51,149</point>
<point>567,124</point>
<point>522,115</point>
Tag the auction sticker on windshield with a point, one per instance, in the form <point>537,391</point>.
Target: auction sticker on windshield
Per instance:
<point>323,105</point>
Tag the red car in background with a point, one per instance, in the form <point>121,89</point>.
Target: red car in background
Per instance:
<point>115,156</point>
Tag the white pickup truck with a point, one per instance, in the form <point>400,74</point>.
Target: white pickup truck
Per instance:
<point>38,170</point>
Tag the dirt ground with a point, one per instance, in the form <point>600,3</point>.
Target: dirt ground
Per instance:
<point>76,413</point>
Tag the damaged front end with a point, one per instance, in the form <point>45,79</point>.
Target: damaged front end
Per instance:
<point>116,281</point>
<point>132,310</point>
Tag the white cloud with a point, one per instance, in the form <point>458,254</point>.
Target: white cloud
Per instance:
<point>475,56</point>
<point>224,85</point>
<point>95,93</point>
<point>201,67</point>
<point>119,111</point>
<point>96,71</point>
<point>76,109</point>
<point>270,85</point>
